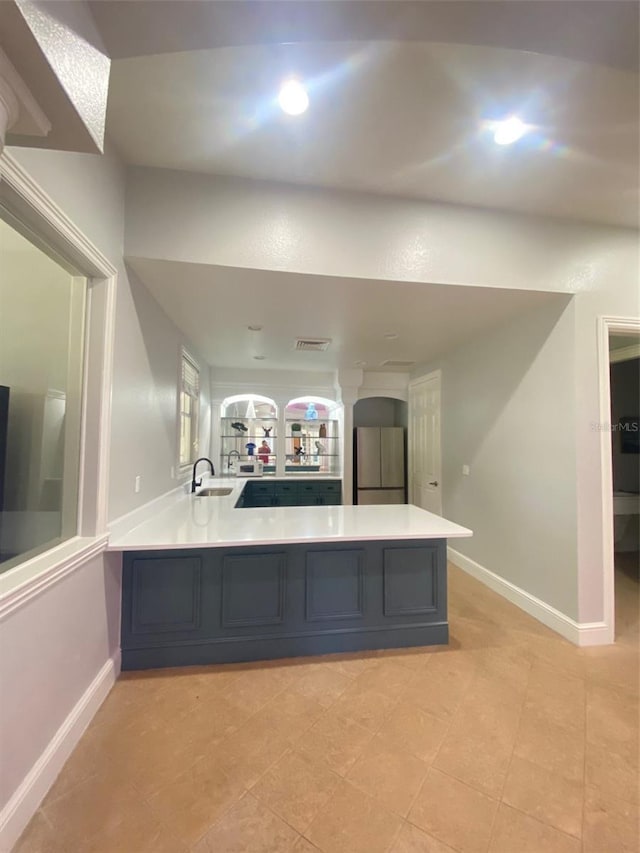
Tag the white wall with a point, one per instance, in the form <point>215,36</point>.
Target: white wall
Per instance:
<point>173,215</point>
<point>508,411</point>
<point>54,646</point>
<point>51,650</point>
<point>90,189</point>
<point>254,224</point>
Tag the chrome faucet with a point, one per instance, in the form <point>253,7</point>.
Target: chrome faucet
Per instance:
<point>229,455</point>
<point>195,483</point>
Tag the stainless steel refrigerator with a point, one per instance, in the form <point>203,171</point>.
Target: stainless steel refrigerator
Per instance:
<point>380,465</point>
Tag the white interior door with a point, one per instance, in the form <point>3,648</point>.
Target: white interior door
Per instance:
<point>425,474</point>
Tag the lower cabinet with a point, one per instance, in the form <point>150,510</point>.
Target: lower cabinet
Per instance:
<point>258,493</point>
<point>220,605</point>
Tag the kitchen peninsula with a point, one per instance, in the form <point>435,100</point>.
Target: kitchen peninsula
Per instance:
<point>207,581</point>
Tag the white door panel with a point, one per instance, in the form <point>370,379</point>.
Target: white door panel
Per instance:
<point>425,475</point>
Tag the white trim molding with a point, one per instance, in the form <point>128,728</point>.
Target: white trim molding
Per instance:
<point>37,575</point>
<point>26,799</point>
<point>28,202</point>
<point>624,353</point>
<point>607,326</point>
<point>581,634</point>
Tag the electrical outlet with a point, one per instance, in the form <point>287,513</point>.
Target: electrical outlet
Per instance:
<point>465,470</point>
<point>138,484</point>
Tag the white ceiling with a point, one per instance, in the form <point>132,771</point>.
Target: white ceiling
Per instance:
<point>399,94</point>
<point>395,118</point>
<point>215,305</point>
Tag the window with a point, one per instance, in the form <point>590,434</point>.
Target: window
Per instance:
<point>189,410</point>
<point>42,318</point>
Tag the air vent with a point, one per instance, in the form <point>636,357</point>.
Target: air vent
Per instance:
<point>313,344</point>
<point>391,363</point>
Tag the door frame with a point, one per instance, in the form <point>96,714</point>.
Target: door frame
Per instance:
<point>427,377</point>
<point>606,326</point>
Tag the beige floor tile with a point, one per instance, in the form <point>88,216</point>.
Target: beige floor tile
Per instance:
<point>390,775</point>
<point>483,764</point>
<point>613,774</point>
<point>610,825</point>
<point>614,665</point>
<point>304,846</point>
<point>546,796</point>
<point>336,741</point>
<point>414,840</point>
<point>96,805</point>
<point>368,708</point>
<point>158,757</point>
<point>388,678</point>
<point>509,666</point>
<point>295,788</point>
<point>560,697</point>
<point>253,688</point>
<point>515,832</point>
<point>414,730</point>
<point>170,753</point>
<point>478,746</point>
<point>83,764</point>
<point>322,684</point>
<point>441,686</point>
<point>554,653</point>
<point>351,665</point>
<point>413,658</point>
<point>248,826</point>
<point>353,822</point>
<point>41,837</point>
<point>137,830</point>
<point>249,752</point>
<point>491,698</point>
<point>471,634</point>
<point>289,714</point>
<point>613,717</point>
<point>195,799</point>
<point>559,749</point>
<point>454,813</point>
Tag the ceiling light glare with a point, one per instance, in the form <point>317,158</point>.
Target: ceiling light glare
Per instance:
<point>293,97</point>
<point>509,130</point>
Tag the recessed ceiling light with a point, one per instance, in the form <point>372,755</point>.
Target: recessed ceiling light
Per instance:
<point>390,336</point>
<point>360,363</point>
<point>509,130</point>
<point>254,328</point>
<point>259,357</point>
<point>293,97</point>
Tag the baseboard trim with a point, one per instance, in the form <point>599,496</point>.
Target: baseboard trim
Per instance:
<point>579,633</point>
<point>26,799</point>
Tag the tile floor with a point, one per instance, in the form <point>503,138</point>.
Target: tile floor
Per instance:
<point>510,740</point>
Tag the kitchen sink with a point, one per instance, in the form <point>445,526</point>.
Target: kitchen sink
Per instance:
<point>213,493</point>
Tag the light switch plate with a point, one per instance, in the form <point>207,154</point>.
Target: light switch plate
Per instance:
<point>465,470</point>
<point>138,484</point>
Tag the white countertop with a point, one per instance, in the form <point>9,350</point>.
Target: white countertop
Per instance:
<point>179,520</point>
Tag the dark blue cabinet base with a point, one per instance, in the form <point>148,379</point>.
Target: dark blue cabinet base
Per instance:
<point>224,605</point>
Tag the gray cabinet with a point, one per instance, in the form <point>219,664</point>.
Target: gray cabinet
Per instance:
<point>259,493</point>
<point>219,605</point>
